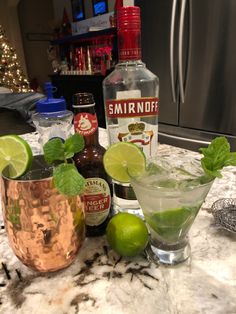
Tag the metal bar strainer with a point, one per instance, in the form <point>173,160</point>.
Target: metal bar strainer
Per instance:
<point>224,212</point>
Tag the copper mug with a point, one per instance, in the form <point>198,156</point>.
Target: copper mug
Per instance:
<point>45,228</point>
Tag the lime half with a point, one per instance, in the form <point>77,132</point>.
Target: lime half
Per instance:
<point>123,159</point>
<point>15,153</point>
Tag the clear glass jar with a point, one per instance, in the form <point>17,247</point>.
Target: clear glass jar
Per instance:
<point>51,118</point>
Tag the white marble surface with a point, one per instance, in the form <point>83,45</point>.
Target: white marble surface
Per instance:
<point>100,282</point>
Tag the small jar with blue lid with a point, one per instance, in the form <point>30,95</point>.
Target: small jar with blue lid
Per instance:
<point>51,118</point>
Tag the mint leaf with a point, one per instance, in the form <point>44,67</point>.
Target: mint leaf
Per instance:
<point>231,159</point>
<point>68,180</point>
<point>65,176</point>
<point>206,165</point>
<point>216,156</point>
<point>73,144</point>
<point>53,150</point>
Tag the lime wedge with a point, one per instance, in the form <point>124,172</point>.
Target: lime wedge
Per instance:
<point>15,152</point>
<point>122,160</point>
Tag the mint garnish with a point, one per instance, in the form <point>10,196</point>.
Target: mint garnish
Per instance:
<point>73,144</point>
<point>54,150</point>
<point>217,156</point>
<point>66,177</point>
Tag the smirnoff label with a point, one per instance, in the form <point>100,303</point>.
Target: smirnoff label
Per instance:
<point>134,120</point>
<point>125,108</point>
<point>97,201</point>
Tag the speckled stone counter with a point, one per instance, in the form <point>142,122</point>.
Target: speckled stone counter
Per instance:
<point>99,281</point>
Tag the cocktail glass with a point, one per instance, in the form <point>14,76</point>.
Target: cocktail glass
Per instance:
<point>45,228</point>
<point>170,193</point>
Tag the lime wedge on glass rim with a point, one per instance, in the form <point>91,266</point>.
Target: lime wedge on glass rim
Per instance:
<point>123,159</point>
<point>16,153</point>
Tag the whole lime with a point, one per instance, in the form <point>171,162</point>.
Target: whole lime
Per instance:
<point>127,234</point>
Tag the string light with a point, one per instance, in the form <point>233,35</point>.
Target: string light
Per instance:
<point>11,73</point>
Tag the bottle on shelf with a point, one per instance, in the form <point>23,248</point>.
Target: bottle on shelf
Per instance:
<point>86,56</point>
<point>89,162</point>
<point>131,100</point>
<point>51,118</point>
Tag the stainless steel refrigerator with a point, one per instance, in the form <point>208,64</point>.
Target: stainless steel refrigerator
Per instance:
<point>191,46</point>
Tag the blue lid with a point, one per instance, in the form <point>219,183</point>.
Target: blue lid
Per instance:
<point>50,104</point>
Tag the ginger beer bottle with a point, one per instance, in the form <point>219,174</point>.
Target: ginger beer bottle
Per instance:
<point>89,162</point>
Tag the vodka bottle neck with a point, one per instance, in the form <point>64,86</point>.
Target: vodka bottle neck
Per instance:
<point>129,34</point>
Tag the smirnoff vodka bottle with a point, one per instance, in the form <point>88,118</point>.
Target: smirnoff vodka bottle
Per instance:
<point>131,100</point>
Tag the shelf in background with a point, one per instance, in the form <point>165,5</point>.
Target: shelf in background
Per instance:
<point>89,35</point>
<point>79,76</point>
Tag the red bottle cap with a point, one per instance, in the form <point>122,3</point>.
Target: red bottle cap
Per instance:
<point>129,36</point>
<point>129,18</point>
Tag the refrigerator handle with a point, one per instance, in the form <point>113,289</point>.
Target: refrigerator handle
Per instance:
<point>172,31</point>
<point>181,32</point>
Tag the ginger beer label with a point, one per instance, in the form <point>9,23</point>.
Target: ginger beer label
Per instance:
<point>85,123</point>
<point>97,201</point>
<point>134,120</point>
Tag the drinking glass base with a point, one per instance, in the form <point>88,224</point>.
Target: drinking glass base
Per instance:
<point>169,257</point>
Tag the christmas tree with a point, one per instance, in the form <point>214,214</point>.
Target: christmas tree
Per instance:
<point>11,74</point>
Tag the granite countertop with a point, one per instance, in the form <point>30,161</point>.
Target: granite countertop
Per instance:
<point>99,281</point>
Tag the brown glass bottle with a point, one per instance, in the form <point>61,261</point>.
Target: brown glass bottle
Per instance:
<point>89,162</point>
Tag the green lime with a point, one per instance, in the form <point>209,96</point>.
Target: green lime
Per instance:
<point>172,224</point>
<point>122,159</point>
<point>15,152</point>
<point>127,234</point>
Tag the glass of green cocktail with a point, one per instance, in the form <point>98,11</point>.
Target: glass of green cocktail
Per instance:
<point>170,190</point>
<point>170,193</point>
